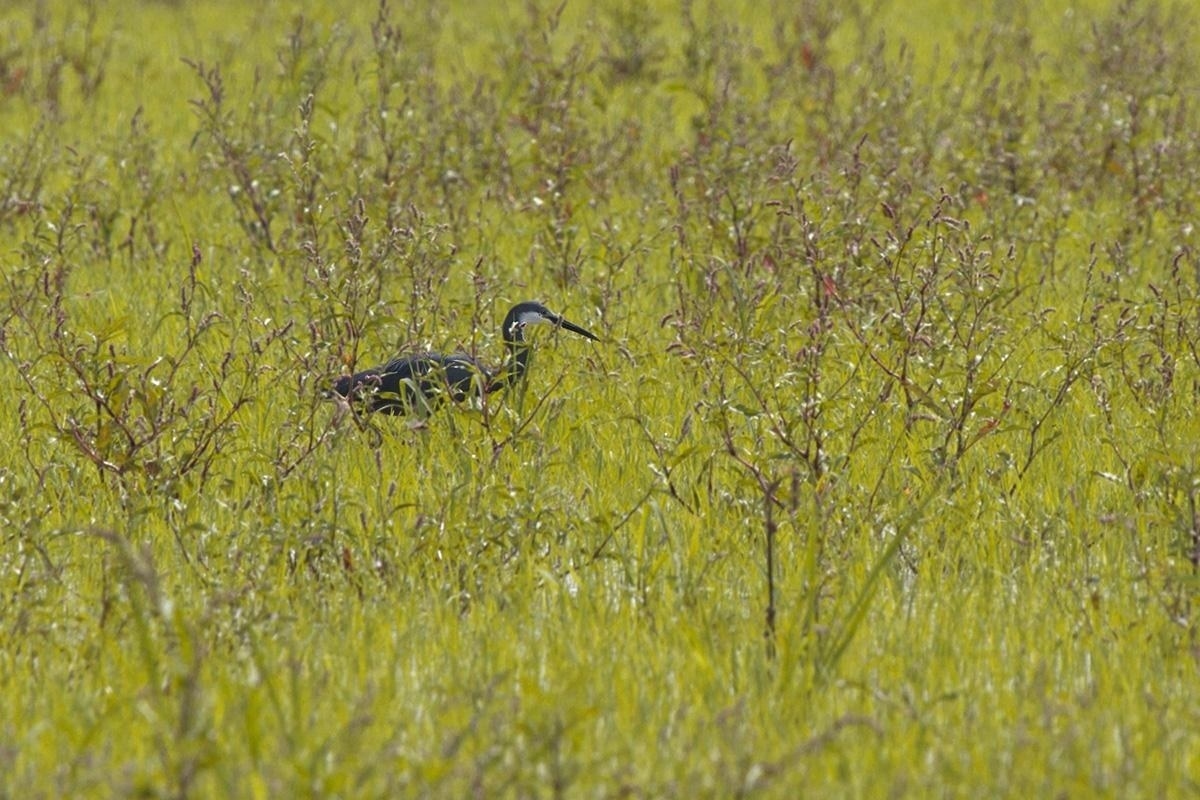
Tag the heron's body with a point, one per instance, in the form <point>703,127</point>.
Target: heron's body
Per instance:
<point>420,382</point>
<point>416,382</point>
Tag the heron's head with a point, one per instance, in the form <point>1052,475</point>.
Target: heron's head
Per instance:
<point>531,313</point>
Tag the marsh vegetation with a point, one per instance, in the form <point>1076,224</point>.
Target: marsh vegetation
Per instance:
<point>883,480</point>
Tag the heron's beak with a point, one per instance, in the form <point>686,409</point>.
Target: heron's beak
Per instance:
<point>573,328</point>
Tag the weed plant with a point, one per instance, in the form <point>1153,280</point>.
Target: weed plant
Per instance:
<point>882,482</point>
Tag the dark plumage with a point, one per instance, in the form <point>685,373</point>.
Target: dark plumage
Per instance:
<point>421,381</point>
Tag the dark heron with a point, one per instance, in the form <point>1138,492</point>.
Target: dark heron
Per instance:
<point>420,382</point>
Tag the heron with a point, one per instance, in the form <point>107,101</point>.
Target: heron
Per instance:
<point>420,382</point>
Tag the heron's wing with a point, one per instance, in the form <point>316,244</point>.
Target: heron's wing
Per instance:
<point>393,388</point>
<point>410,365</point>
<point>418,381</point>
<point>464,376</point>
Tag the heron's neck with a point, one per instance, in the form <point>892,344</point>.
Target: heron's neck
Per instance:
<point>515,368</point>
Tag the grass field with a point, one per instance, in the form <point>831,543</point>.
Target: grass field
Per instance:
<point>882,481</point>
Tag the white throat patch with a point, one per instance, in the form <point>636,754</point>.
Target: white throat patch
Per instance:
<point>531,318</point>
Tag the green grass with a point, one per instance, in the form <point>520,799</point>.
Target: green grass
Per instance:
<point>882,481</point>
